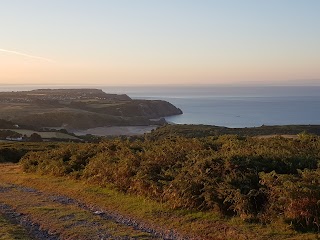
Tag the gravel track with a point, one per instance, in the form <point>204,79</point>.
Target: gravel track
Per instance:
<point>38,233</point>
<point>33,229</point>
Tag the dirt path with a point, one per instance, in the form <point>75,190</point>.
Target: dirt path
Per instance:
<point>11,230</point>
<point>53,217</point>
<point>30,206</point>
<point>60,208</point>
<point>22,227</point>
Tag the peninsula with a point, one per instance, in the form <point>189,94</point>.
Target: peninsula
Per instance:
<point>81,109</point>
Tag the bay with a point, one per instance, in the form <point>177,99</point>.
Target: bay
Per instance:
<point>239,106</point>
<point>230,106</point>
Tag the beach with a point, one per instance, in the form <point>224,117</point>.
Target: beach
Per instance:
<point>116,130</point>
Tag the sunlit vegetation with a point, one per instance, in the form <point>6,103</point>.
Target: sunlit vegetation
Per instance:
<point>257,180</point>
<point>75,222</point>
<point>190,131</point>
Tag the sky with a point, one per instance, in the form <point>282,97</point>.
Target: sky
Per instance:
<point>132,42</point>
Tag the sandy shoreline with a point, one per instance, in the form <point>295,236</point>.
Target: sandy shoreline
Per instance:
<point>116,131</point>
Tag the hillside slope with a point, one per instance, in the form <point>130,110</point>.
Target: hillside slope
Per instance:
<point>81,109</point>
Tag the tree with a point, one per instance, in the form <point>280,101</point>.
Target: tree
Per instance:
<point>35,137</point>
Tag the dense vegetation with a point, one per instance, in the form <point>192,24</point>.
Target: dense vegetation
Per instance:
<point>259,180</point>
<point>13,152</point>
<point>9,134</point>
<point>6,124</point>
<point>191,131</point>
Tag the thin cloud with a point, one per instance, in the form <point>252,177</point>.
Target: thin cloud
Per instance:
<point>26,55</point>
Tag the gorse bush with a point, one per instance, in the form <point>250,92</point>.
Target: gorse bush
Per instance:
<point>256,179</point>
<point>13,152</point>
<point>295,196</point>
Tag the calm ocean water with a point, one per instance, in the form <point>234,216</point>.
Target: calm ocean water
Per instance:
<point>236,106</point>
<point>227,106</point>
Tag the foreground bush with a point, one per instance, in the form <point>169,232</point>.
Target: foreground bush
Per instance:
<point>256,179</point>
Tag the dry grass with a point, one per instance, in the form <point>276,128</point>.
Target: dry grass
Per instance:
<point>10,231</point>
<point>275,135</point>
<point>66,220</point>
<point>201,225</point>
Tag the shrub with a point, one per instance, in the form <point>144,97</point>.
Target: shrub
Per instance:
<point>256,179</point>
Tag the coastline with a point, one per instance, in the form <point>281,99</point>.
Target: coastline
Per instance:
<point>116,131</point>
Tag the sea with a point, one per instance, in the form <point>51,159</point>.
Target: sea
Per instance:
<point>230,106</point>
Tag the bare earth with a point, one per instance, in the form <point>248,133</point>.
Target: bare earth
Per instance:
<point>51,216</point>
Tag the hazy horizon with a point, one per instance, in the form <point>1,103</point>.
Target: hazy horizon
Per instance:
<point>124,42</point>
<point>287,83</point>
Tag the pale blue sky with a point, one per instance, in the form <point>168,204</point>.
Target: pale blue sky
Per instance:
<point>163,41</point>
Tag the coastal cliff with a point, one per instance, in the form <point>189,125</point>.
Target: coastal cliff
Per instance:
<point>81,109</point>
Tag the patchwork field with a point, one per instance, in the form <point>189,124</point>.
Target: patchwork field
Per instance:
<point>45,135</point>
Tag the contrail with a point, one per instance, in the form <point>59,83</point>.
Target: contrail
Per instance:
<point>26,55</point>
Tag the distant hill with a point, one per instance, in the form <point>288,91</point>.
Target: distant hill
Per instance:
<point>4,124</point>
<point>81,109</point>
<point>72,94</point>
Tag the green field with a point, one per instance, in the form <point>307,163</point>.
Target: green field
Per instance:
<point>45,135</point>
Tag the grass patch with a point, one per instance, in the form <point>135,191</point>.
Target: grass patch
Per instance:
<point>66,220</point>
<point>47,135</point>
<point>201,225</point>
<point>10,231</point>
